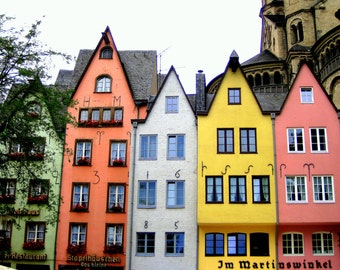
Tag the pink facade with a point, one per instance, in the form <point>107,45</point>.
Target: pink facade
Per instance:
<point>308,176</point>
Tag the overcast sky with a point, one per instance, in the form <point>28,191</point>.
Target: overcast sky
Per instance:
<point>191,35</point>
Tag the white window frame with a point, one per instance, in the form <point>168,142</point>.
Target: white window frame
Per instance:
<point>319,142</point>
<point>116,196</point>
<point>78,234</point>
<point>103,84</point>
<point>83,194</point>
<point>324,192</point>
<point>306,98</point>
<point>35,232</point>
<point>322,241</point>
<point>114,234</point>
<point>295,137</point>
<point>295,179</point>
<point>292,242</point>
<point>118,151</point>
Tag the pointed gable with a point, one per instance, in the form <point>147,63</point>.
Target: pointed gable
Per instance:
<point>139,67</point>
<point>307,96</point>
<point>173,80</point>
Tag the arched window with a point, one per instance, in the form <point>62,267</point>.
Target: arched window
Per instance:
<point>266,79</point>
<point>296,32</point>
<point>251,80</point>
<point>106,53</point>
<point>258,80</point>
<point>277,78</point>
<point>103,84</point>
<point>293,34</point>
<point>300,32</point>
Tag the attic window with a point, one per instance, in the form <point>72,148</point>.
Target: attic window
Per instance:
<point>106,53</point>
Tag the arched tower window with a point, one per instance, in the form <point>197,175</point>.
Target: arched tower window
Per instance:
<point>300,32</point>
<point>277,78</point>
<point>251,80</point>
<point>258,80</point>
<point>296,32</point>
<point>266,79</point>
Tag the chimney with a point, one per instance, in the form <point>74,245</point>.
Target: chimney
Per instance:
<point>200,92</point>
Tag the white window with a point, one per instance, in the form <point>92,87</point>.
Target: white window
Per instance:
<point>103,84</point>
<point>295,140</point>
<point>35,232</point>
<point>118,154</point>
<point>318,140</point>
<point>95,115</point>
<point>80,198</point>
<point>83,153</point>
<point>323,188</point>
<point>292,244</point>
<point>78,234</point>
<point>306,95</point>
<point>296,189</point>
<point>322,243</point>
<point>114,235</point>
<point>116,198</point>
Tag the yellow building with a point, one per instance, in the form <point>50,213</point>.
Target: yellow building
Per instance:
<point>236,176</point>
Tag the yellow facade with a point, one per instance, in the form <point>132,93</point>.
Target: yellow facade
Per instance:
<point>227,217</point>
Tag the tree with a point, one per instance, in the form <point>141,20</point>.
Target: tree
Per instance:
<point>33,115</point>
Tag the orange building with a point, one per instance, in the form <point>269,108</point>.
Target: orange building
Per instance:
<point>110,89</point>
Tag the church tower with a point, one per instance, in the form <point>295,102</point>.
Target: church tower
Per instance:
<point>295,31</point>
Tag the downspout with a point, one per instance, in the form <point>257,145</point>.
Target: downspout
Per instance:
<point>132,193</point>
<point>273,116</point>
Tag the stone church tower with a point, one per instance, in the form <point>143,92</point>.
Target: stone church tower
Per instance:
<point>294,31</point>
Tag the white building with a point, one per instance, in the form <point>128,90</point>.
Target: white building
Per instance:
<point>162,210</point>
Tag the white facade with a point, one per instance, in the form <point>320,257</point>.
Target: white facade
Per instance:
<point>169,216</point>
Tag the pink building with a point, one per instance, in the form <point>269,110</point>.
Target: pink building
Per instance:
<point>308,175</point>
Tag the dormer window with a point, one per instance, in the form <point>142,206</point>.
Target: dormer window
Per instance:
<point>103,84</point>
<point>106,53</point>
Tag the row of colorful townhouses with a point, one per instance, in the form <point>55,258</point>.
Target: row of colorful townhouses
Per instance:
<point>153,178</point>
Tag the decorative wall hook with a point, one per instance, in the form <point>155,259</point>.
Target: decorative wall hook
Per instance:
<point>308,165</point>
<point>272,167</point>
<point>129,133</point>
<point>99,133</point>
<point>203,167</point>
<point>225,169</point>
<point>250,166</point>
<point>282,166</point>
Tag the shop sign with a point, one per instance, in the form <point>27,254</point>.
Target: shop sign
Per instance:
<point>23,212</point>
<point>93,260</point>
<point>25,257</point>
<point>245,264</point>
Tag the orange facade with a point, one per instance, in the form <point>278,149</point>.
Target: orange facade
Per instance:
<point>92,231</point>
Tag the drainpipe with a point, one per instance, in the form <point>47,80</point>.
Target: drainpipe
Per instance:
<point>273,116</point>
<point>132,193</point>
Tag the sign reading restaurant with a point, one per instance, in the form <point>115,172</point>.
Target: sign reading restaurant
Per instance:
<point>245,264</point>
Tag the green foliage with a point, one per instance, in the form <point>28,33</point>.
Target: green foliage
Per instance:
<point>30,111</point>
